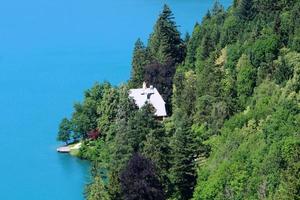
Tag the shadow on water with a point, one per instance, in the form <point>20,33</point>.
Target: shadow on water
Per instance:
<point>71,165</point>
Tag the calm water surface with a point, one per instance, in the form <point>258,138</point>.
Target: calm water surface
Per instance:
<point>50,52</point>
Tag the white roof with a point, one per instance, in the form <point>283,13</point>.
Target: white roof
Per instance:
<point>140,97</point>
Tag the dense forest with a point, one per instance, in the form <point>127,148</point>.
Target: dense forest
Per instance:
<point>232,92</point>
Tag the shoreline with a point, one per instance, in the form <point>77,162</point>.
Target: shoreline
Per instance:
<point>72,149</point>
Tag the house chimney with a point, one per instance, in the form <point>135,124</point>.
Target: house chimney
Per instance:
<point>144,85</point>
<point>151,89</point>
<point>150,92</point>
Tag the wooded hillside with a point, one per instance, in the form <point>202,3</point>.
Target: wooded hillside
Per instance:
<point>232,90</point>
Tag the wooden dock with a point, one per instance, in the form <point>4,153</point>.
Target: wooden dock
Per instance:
<point>69,148</point>
<point>64,149</point>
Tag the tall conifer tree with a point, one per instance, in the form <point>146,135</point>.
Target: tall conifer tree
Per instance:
<point>184,152</point>
<point>165,43</point>
<point>245,9</point>
<point>139,60</point>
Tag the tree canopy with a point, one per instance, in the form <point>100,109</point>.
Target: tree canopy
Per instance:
<point>232,91</point>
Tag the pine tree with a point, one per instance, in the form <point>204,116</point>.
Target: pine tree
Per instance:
<point>139,60</point>
<point>165,43</point>
<point>139,180</point>
<point>245,9</point>
<point>192,46</point>
<point>208,78</point>
<point>217,8</point>
<point>156,148</point>
<point>207,47</point>
<point>207,16</point>
<point>167,50</point>
<point>120,155</point>
<point>184,152</point>
<point>140,125</point>
<point>120,149</point>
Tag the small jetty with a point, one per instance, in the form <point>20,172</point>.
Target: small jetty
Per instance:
<point>69,148</point>
<point>64,149</point>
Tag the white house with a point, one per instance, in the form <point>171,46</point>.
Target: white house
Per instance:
<point>150,95</point>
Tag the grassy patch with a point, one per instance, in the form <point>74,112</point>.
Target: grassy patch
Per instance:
<point>74,152</point>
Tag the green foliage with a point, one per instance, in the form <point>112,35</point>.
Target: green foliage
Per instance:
<point>244,9</point>
<point>65,131</point>
<point>293,62</point>
<point>247,158</point>
<point>165,43</point>
<point>193,43</point>
<point>217,8</point>
<point>208,78</point>
<point>296,41</point>
<point>264,50</point>
<point>184,151</point>
<point>283,71</point>
<point>232,93</point>
<point>167,50</point>
<point>142,123</point>
<point>246,78</point>
<point>156,148</point>
<point>184,91</point>
<point>139,61</point>
<point>96,190</point>
<point>230,30</point>
<point>140,181</point>
<point>85,116</point>
<point>107,109</point>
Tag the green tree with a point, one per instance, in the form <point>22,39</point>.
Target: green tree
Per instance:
<point>244,9</point>
<point>283,71</point>
<point>167,50</point>
<point>96,190</point>
<point>207,46</point>
<point>232,93</point>
<point>208,78</point>
<point>140,125</point>
<point>264,50</point>
<point>107,110</point>
<point>246,78</point>
<point>139,60</point>
<point>65,131</point>
<point>85,116</point>
<point>120,149</point>
<point>156,148</point>
<point>184,152</point>
<point>139,180</point>
<point>165,43</point>
<point>230,31</point>
<point>296,41</point>
<point>184,96</point>
<point>217,8</point>
<point>253,156</point>
<point>192,46</point>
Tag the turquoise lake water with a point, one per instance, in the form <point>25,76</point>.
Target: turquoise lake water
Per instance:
<point>50,52</point>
